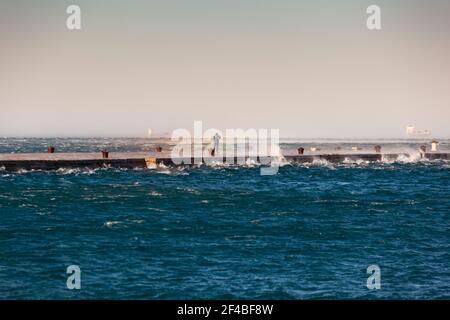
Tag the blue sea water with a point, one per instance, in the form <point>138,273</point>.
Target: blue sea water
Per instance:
<point>309,232</point>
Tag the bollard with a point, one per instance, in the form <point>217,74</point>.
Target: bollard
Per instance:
<point>158,149</point>
<point>377,149</point>
<point>105,154</point>
<point>434,145</point>
<point>301,150</point>
<point>51,149</point>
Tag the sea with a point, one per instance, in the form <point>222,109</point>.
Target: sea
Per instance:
<point>311,231</point>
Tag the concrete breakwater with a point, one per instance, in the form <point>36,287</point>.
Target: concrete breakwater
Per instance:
<point>131,160</point>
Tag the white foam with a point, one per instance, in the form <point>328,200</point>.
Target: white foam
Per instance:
<point>322,163</point>
<point>251,163</point>
<point>217,164</point>
<point>357,162</point>
<point>404,158</point>
<point>76,171</point>
<point>279,162</point>
<point>110,224</point>
<point>161,166</point>
<point>65,171</point>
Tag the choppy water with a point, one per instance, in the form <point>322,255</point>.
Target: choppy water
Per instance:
<point>310,231</point>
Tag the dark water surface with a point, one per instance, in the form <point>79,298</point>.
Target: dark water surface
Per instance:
<point>227,232</point>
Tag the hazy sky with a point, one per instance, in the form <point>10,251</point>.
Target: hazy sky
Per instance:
<point>310,68</point>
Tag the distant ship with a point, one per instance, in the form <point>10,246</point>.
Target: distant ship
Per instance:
<point>411,131</point>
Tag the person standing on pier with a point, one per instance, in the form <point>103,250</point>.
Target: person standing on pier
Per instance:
<point>216,139</point>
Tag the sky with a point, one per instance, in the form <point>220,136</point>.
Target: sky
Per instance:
<point>309,68</point>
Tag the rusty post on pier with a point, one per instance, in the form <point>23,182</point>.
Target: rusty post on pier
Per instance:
<point>105,154</point>
<point>377,149</point>
<point>434,146</point>
<point>301,150</point>
<point>51,149</point>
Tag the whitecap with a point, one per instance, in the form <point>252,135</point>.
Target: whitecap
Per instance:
<point>322,163</point>
<point>357,162</point>
<point>161,165</point>
<point>403,158</point>
<point>110,224</point>
<point>66,171</point>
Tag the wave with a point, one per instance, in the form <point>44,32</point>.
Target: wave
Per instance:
<point>404,158</point>
<point>110,224</point>
<point>357,162</point>
<point>76,171</point>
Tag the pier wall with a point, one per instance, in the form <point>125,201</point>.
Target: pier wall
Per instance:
<point>17,165</point>
<point>120,160</point>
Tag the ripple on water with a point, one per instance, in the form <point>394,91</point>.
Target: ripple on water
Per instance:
<point>308,232</point>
